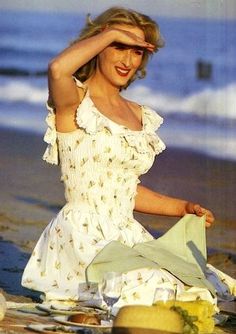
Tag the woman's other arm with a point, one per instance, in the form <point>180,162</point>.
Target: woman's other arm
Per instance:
<point>148,201</point>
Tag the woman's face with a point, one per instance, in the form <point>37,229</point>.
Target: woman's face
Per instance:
<point>119,62</point>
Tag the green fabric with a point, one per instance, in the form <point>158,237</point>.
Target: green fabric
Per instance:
<point>181,251</point>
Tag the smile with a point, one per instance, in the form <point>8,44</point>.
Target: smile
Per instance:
<point>122,71</point>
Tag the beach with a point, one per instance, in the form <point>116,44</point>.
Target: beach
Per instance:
<point>31,195</point>
<point>199,130</point>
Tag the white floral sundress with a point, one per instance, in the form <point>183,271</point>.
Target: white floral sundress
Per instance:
<point>101,163</point>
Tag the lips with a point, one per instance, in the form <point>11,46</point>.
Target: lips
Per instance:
<point>123,72</point>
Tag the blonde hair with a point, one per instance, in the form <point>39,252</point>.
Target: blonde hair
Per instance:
<point>120,15</point>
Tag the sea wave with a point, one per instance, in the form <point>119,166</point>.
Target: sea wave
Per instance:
<point>219,103</point>
<point>17,91</point>
<point>207,103</point>
<point>22,106</point>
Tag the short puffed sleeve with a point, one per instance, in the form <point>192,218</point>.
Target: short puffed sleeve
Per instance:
<point>50,137</point>
<point>51,154</point>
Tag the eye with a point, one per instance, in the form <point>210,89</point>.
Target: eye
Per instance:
<point>119,46</point>
<point>138,52</point>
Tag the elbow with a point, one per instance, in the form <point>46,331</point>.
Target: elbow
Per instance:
<point>54,69</point>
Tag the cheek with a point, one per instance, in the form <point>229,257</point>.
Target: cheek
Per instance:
<point>108,55</point>
<point>137,61</point>
<point>102,59</point>
<point>106,60</point>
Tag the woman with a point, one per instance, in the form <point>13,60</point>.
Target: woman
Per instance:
<point>104,142</point>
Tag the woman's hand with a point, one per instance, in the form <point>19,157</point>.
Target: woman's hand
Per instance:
<point>199,211</point>
<point>128,38</point>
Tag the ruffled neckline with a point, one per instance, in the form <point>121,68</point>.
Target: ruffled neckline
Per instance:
<point>89,118</point>
<point>95,120</point>
<point>108,120</point>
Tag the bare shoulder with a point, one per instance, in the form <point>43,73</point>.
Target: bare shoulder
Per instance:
<point>66,114</point>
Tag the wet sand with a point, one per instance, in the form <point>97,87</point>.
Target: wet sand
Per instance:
<point>31,194</point>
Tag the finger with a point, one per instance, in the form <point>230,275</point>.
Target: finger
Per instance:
<point>198,210</point>
<point>149,45</point>
<point>144,43</point>
<point>210,218</point>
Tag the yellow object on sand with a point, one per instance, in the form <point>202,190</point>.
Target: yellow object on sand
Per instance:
<point>202,309</point>
<point>149,317</point>
<point>171,317</point>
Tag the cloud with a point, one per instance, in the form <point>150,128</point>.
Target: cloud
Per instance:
<point>223,9</point>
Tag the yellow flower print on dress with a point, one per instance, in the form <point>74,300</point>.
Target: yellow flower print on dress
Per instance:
<point>101,182</point>
<point>69,277</point>
<point>135,296</point>
<point>61,247</point>
<point>107,149</point>
<point>82,264</point>
<point>83,162</point>
<point>58,231</point>
<point>103,199</point>
<point>110,212</point>
<point>71,240</point>
<point>96,158</point>
<point>57,265</point>
<point>85,226</point>
<point>51,245</point>
<point>78,273</point>
<point>109,174</point>
<point>91,184</point>
<point>140,278</point>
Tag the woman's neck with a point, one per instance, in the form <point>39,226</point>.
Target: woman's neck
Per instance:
<point>100,87</point>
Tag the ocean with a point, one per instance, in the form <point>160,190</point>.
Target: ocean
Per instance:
<point>199,112</point>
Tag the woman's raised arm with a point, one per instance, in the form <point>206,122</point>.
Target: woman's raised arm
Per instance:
<point>62,89</point>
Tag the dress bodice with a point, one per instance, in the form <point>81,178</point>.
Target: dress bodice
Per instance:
<point>101,161</point>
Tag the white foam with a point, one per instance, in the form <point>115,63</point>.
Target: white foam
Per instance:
<point>205,138</point>
<point>207,103</point>
<point>18,91</point>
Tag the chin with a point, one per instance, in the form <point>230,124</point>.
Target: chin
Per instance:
<point>121,82</point>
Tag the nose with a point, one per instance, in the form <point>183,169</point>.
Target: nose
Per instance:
<point>127,58</point>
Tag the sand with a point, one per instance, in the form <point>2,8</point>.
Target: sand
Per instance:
<point>31,194</point>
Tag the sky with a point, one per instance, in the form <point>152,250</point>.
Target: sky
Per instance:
<point>220,9</point>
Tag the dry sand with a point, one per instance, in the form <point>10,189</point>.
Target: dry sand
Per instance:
<point>31,194</point>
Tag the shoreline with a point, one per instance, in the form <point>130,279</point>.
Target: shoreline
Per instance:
<point>32,194</point>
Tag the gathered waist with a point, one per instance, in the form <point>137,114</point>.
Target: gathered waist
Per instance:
<point>107,211</point>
